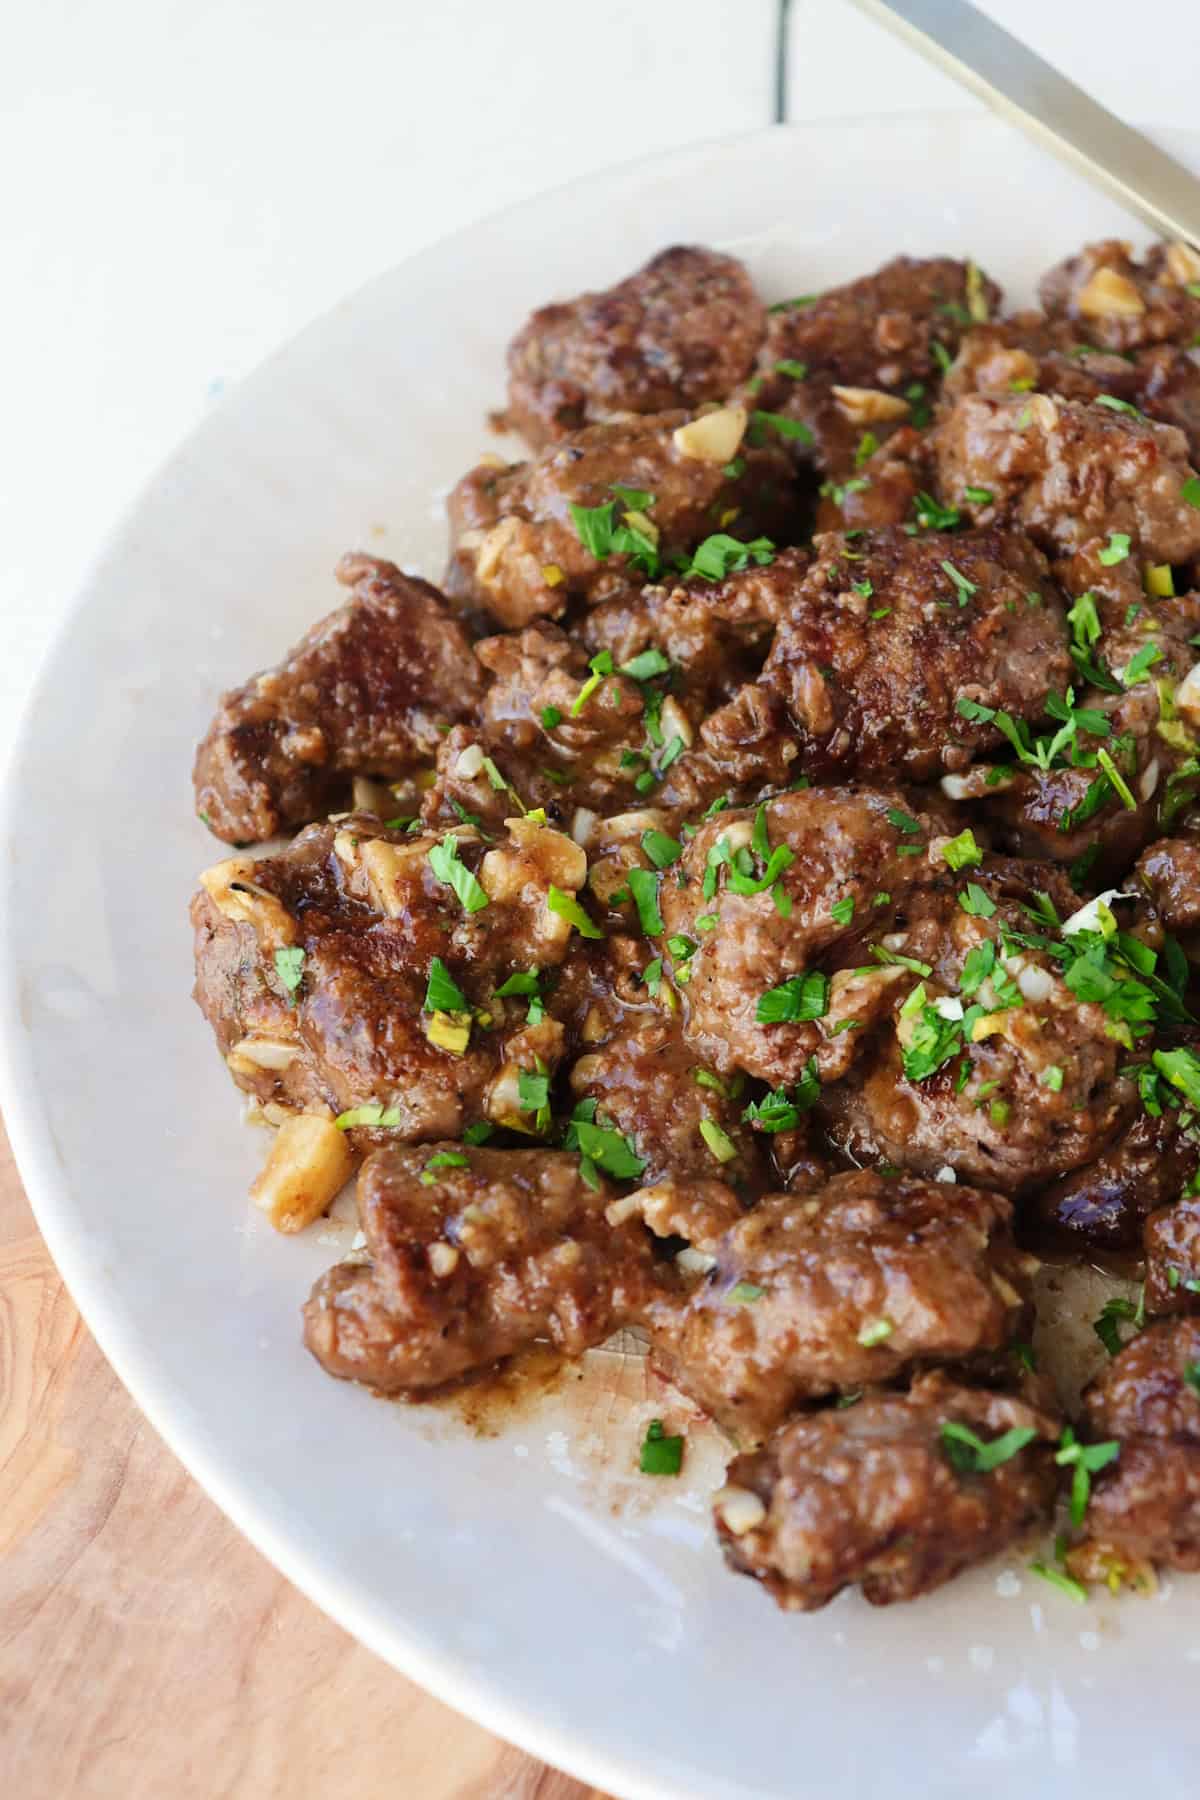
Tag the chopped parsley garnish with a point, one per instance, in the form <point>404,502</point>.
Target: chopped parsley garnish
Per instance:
<point>1108,1326</point>
<point>646,665</point>
<point>1052,1078</point>
<point>643,885</point>
<point>601,1146</point>
<point>446,864</point>
<point>794,429</point>
<point>636,499</point>
<point>1117,406</point>
<point>660,1454</point>
<point>289,966</point>
<point>795,1001</point>
<point>601,537</point>
<point>551,716</point>
<point>721,555</point>
<point>875,1331</point>
<point>961,850</point>
<point>567,907</point>
<point>719,1142</point>
<point>894,958</point>
<point>1085,1460</point>
<point>1074,1590</point>
<point>601,666</point>
<point>1116,549</point>
<point>902,821</point>
<point>792,305</point>
<point>444,1159</point>
<point>975,901</point>
<point>1191,1375</point>
<point>374,1113</point>
<point>842,911</point>
<point>1139,664</point>
<point>479,1132</point>
<point>1190,491</point>
<point>868,444</point>
<point>979,496</point>
<point>1182,1069</point>
<point>661,849</point>
<point>533,1095</point>
<point>795,370</point>
<point>963,587</point>
<point>777,1111</point>
<point>442,992</point>
<point>744,1293</point>
<point>971,1455</point>
<point>934,1038</point>
<point>931,515</point>
<point>1084,621</point>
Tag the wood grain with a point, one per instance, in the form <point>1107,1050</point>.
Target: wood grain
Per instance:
<point>146,1649</point>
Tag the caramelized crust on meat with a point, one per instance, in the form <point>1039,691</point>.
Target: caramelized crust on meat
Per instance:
<point>855,1282</point>
<point>1104,1204</point>
<point>471,1255</point>
<point>885,635</point>
<point>368,912</point>
<point>1115,301</point>
<point>368,691</point>
<point>869,1495</point>
<point>682,330</point>
<point>1145,1507</point>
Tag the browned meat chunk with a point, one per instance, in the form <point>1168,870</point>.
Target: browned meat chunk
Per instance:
<point>1076,809</point>
<point>471,1255</point>
<point>368,691</point>
<point>1172,1236</point>
<point>715,633</point>
<point>520,552</point>
<point>850,365</point>
<point>1169,871</point>
<point>682,330</point>
<point>1029,1088</point>
<point>833,848</point>
<point>664,1100</point>
<point>855,1283</point>
<point>869,1494</point>
<point>1067,473</point>
<point>1121,304</point>
<point>314,968</point>
<point>887,634</point>
<point>1104,1204</point>
<point>884,488</point>
<point>1146,1506</point>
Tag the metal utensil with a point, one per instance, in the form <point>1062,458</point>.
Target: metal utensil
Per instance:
<point>1026,91</point>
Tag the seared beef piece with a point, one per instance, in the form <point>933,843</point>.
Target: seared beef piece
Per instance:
<point>715,633</point>
<point>1147,743</point>
<point>517,552</point>
<point>1121,304</point>
<point>1172,1238</point>
<point>852,1283</point>
<point>991,1111</point>
<point>1067,473</point>
<point>644,1078</point>
<point>881,642</point>
<point>875,334</point>
<point>1146,1505</point>
<point>369,913</point>
<point>365,692</point>
<point>844,846</point>
<point>468,1264</point>
<point>1029,351</point>
<point>1169,871</point>
<point>684,329</point>
<point>1104,1204</point>
<point>869,1494</point>
<point>883,488</point>
<point>878,331</point>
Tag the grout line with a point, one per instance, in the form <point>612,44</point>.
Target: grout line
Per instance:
<point>782,21</point>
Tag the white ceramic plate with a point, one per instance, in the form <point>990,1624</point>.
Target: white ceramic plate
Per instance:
<point>529,1578</point>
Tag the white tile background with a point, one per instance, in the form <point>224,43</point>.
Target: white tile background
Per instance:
<point>183,186</point>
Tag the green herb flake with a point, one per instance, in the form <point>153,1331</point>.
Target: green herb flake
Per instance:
<point>660,1454</point>
<point>1063,1582</point>
<point>567,907</point>
<point>979,496</point>
<point>970,1454</point>
<point>661,849</point>
<point>744,1293</point>
<point>875,1331</point>
<point>373,1113</point>
<point>796,1001</point>
<point>551,716</point>
<point>1116,549</point>
<point>796,371</point>
<point>842,911</point>
<point>1190,491</point>
<point>976,902</point>
<point>289,966</point>
<point>448,867</point>
<point>643,885</point>
<point>445,1159</point>
<point>442,992</point>
<point>794,430</point>
<point>902,821</point>
<point>719,1142</point>
<point>1085,1460</point>
<point>963,587</point>
<point>962,850</point>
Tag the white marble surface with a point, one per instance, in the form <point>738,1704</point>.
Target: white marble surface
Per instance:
<point>185,186</point>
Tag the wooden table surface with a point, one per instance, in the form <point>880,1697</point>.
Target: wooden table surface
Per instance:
<point>146,1650</point>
